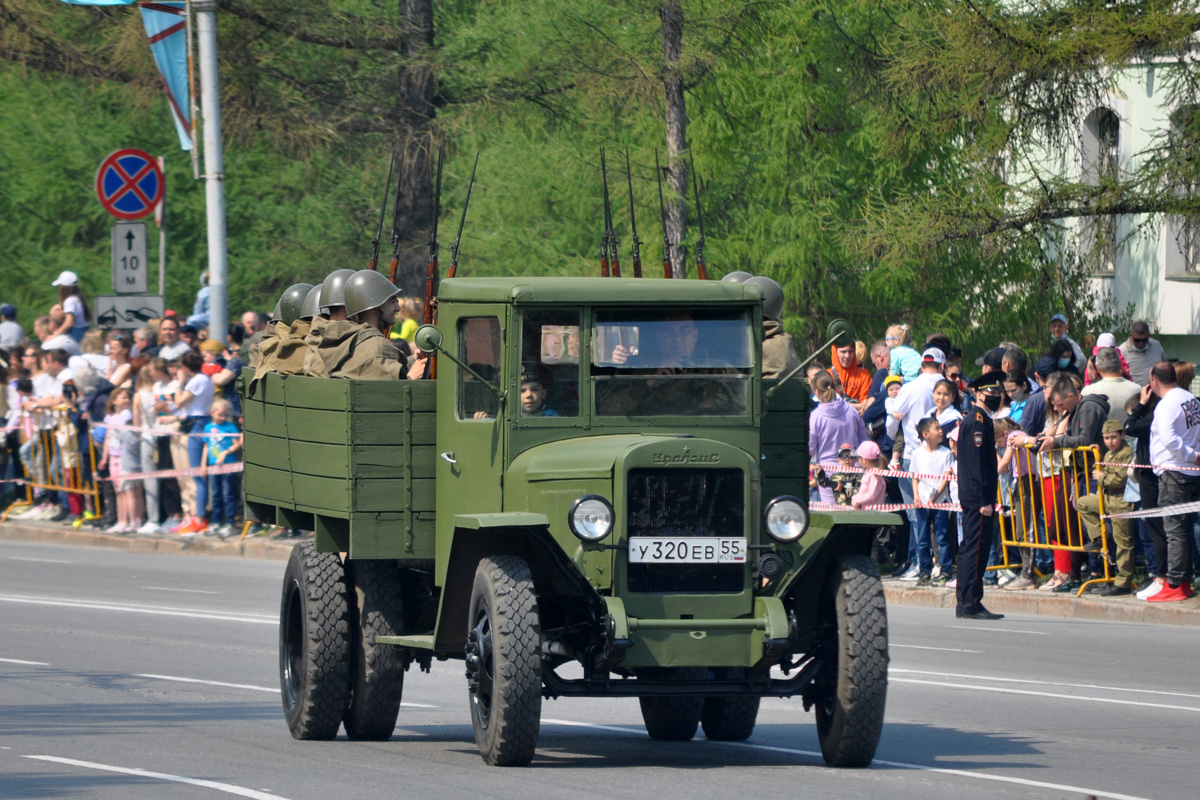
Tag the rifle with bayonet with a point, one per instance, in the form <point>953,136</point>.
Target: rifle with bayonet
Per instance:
<point>394,267</point>
<point>374,263</point>
<point>637,246</point>
<point>450,273</point>
<point>701,272</point>
<point>662,212</point>
<point>610,236</point>
<point>431,270</point>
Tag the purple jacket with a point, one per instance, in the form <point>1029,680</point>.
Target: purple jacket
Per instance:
<point>830,425</point>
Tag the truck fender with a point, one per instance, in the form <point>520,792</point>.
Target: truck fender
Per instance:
<point>804,596</point>
<point>477,536</point>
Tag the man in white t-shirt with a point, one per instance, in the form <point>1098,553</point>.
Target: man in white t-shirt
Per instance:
<point>171,347</point>
<point>11,332</point>
<point>904,411</point>
<point>1175,452</point>
<point>1113,386</point>
<point>43,328</point>
<point>1141,352</point>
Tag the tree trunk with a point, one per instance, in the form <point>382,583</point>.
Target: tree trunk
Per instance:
<point>414,182</point>
<point>671,14</point>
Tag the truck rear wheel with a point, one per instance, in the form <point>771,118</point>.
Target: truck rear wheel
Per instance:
<point>853,692</point>
<point>729,719</point>
<point>504,662</point>
<point>672,719</point>
<point>376,671</point>
<point>314,643</point>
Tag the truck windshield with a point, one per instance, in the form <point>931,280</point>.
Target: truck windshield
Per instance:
<point>693,362</point>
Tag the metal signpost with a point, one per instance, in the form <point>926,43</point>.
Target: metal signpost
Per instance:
<point>129,265</point>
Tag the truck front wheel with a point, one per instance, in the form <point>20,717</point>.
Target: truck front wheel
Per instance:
<point>852,691</point>
<point>314,643</point>
<point>672,718</point>
<point>377,670</point>
<point>504,662</point>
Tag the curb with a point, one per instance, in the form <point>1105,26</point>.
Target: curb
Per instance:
<point>1043,604</point>
<point>256,548</point>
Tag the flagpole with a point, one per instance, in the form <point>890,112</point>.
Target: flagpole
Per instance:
<point>187,18</point>
<point>214,169</point>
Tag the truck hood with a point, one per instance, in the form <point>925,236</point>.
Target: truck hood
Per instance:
<point>596,456</point>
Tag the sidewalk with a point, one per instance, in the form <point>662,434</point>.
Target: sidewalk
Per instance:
<point>1048,604</point>
<point>1028,601</point>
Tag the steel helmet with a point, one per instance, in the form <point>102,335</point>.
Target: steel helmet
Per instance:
<point>367,289</point>
<point>276,315</point>
<point>333,290</point>
<point>291,302</point>
<point>737,277</point>
<point>312,303</point>
<point>772,295</point>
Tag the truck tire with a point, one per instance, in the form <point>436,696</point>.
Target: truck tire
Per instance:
<point>376,670</point>
<point>851,700</point>
<point>672,719</point>
<point>504,662</point>
<point>314,643</point>
<point>729,719</point>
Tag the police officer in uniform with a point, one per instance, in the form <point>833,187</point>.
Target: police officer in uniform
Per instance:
<point>977,484</point>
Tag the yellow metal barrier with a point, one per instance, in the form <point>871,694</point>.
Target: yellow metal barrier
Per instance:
<point>52,460</point>
<point>1048,490</point>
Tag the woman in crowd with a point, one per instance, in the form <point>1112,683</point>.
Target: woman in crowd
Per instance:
<point>832,424</point>
<point>76,320</point>
<point>193,404</point>
<point>120,372</point>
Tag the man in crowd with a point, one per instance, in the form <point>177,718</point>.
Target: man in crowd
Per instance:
<point>1058,330</point>
<point>1141,353</point>
<point>172,347</point>
<point>1115,388</point>
<point>855,381</point>
<point>43,328</point>
<point>1175,452</point>
<point>1086,415</point>
<point>11,333</point>
<point>145,342</point>
<point>255,323</point>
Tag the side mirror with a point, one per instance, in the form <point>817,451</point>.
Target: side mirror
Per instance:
<point>428,339</point>
<point>841,333</point>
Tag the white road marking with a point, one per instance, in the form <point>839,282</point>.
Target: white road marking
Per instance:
<point>172,589</point>
<point>943,649</point>
<point>880,762</point>
<point>1043,683</point>
<point>228,788</point>
<point>1055,695</point>
<point>38,560</point>
<point>97,605</point>
<point>998,630</point>
<point>271,689</point>
<point>26,663</point>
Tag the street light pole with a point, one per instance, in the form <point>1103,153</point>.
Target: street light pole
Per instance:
<point>214,169</point>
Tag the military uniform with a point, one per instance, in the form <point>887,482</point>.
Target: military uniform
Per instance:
<point>345,349</point>
<point>1112,484</point>
<point>977,484</point>
<point>778,351</point>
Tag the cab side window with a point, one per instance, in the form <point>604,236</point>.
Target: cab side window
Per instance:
<point>550,363</point>
<point>479,346</point>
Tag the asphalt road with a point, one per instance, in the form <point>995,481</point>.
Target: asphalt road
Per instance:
<point>126,675</point>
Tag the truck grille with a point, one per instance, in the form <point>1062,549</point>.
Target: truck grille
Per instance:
<point>685,503</point>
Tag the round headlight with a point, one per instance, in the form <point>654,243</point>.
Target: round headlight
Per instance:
<point>591,518</point>
<point>786,519</point>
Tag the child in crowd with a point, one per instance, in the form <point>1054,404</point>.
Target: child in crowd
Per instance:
<point>844,482</point>
<point>872,489</point>
<point>904,360</point>
<point>211,351</point>
<point>932,458</point>
<point>946,404</point>
<point>1111,480</point>
<point>117,414</point>
<point>223,449</point>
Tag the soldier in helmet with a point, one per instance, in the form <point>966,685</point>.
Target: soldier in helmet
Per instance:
<point>737,276</point>
<point>358,347</point>
<point>287,311</point>
<point>332,307</point>
<point>778,353</point>
<point>333,294</point>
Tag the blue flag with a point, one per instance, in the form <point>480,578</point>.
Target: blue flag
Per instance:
<point>100,2</point>
<point>166,25</point>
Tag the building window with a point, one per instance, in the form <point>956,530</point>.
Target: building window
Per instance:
<point>1183,230</point>
<point>1101,147</point>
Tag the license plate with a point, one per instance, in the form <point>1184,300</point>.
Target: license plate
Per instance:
<point>687,550</point>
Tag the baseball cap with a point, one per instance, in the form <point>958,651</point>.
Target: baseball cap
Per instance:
<point>1106,340</point>
<point>991,358</point>
<point>934,355</point>
<point>212,346</point>
<point>868,450</point>
<point>890,379</point>
<point>66,278</point>
<point>8,311</point>
<point>844,449</point>
<point>1059,318</point>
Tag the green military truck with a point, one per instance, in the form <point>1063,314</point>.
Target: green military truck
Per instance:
<point>643,519</point>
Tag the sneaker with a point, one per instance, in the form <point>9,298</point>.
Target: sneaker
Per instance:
<point>1066,586</point>
<point>1111,590</point>
<point>1170,595</point>
<point>118,528</point>
<point>937,571</point>
<point>227,531</point>
<point>56,514</point>
<point>1005,577</point>
<point>193,526</point>
<point>990,579</point>
<point>1150,589</point>
<point>952,583</point>
<point>945,578</point>
<point>911,574</point>
<point>900,572</point>
<point>29,513</point>
<point>1021,582</point>
<point>149,528</point>
<point>924,579</point>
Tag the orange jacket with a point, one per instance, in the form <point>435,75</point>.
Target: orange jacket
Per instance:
<point>856,381</point>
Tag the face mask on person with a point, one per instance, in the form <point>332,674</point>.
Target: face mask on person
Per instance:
<point>1141,349</point>
<point>992,402</point>
<point>1063,363</point>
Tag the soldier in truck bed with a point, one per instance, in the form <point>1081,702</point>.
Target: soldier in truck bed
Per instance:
<point>778,352</point>
<point>361,349</point>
